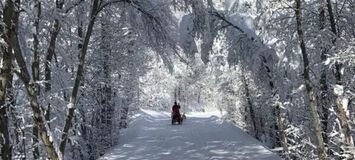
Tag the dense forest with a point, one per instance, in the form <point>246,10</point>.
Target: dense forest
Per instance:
<point>73,71</point>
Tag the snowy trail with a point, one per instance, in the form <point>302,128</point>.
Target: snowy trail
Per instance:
<point>200,137</point>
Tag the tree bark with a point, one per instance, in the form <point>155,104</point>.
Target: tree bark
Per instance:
<point>309,88</point>
<point>24,75</point>
<point>50,53</point>
<point>341,100</point>
<point>35,74</point>
<point>250,105</point>
<point>5,78</point>
<point>79,76</point>
<point>107,90</point>
<point>324,100</point>
<point>277,110</point>
<point>51,48</point>
<point>37,110</point>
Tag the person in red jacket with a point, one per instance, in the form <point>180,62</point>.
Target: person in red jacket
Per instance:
<point>176,109</point>
<point>175,114</point>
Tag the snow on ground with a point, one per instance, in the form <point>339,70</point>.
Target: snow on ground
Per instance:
<point>201,137</point>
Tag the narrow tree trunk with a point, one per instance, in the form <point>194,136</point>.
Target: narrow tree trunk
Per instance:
<point>37,110</point>
<point>199,96</point>
<point>79,76</point>
<point>51,48</point>
<point>50,53</point>
<point>324,101</point>
<point>107,90</point>
<point>309,88</point>
<point>24,75</point>
<point>281,130</point>
<point>19,134</point>
<point>341,100</point>
<point>331,17</point>
<point>277,110</point>
<point>5,78</point>
<point>250,105</point>
<point>35,74</point>
<point>35,61</point>
<point>175,94</point>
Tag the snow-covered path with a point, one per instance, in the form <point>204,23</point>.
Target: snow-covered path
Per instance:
<point>200,137</point>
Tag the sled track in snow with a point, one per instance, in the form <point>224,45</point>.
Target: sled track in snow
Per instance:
<point>152,137</point>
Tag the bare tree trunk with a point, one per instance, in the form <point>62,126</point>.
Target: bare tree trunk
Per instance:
<point>309,88</point>
<point>175,94</point>
<point>250,105</point>
<point>107,90</point>
<point>35,74</point>
<point>277,109</point>
<point>341,101</point>
<point>19,134</point>
<point>331,17</point>
<point>51,48</point>
<point>50,53</point>
<point>281,130</point>
<point>35,61</point>
<point>24,75</point>
<point>324,96</point>
<point>37,110</point>
<point>79,76</point>
<point>5,78</point>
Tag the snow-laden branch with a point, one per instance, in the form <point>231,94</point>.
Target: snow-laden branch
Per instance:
<point>233,23</point>
<point>109,3</point>
<point>67,10</point>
